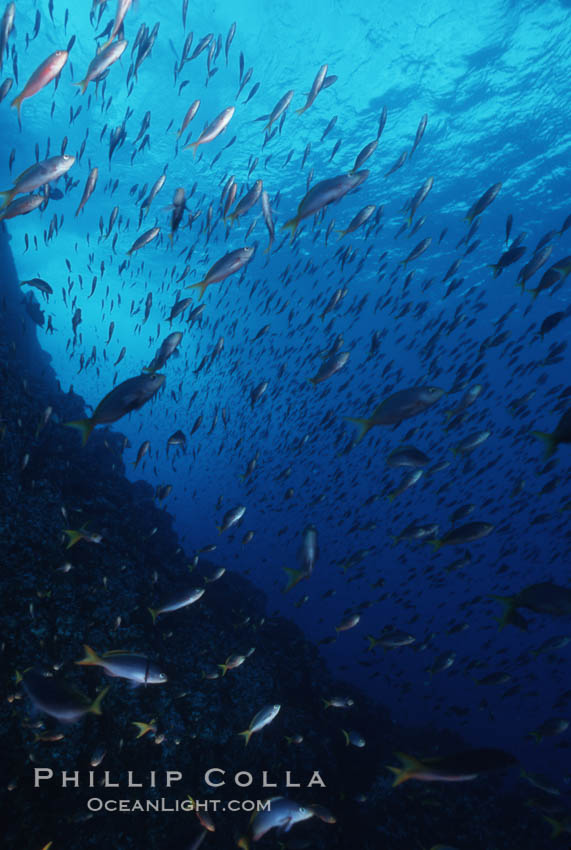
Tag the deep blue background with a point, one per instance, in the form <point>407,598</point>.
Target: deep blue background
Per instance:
<point>494,81</point>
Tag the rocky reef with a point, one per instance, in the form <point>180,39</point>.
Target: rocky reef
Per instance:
<point>55,600</point>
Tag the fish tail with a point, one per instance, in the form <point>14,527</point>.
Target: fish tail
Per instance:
<point>509,607</point>
<point>154,614</point>
<point>247,734</point>
<point>449,414</point>
<point>294,577</point>
<point>224,668</point>
<point>495,267</point>
<point>469,218</point>
<point>82,85</point>
<point>84,426</point>
<point>549,440</point>
<point>17,102</point>
<point>291,225</point>
<point>73,537</point>
<point>6,198</point>
<point>301,110</point>
<point>363,426</point>
<point>409,220</point>
<point>409,767</point>
<point>95,707</point>
<point>194,146</point>
<point>391,497</point>
<point>201,285</point>
<point>372,643</point>
<point>556,826</point>
<point>91,658</point>
<point>326,703</point>
<point>341,233</point>
<point>436,544</point>
<point>312,381</point>
<point>537,736</point>
<point>243,843</point>
<point>142,727</point>
<point>346,736</point>
<point>534,293</point>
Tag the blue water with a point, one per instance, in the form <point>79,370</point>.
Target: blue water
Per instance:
<point>493,78</point>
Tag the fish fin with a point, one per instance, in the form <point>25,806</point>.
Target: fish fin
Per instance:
<point>243,843</point>
<point>436,544</point>
<point>346,736</point>
<point>154,614</point>
<point>142,727</point>
<point>372,643</point>
<point>194,146</point>
<point>247,734</point>
<point>301,110</point>
<point>84,426</point>
<point>73,537</point>
<point>292,225</point>
<point>17,102</point>
<point>549,440</point>
<point>91,658</point>
<point>556,826</point>
<point>409,767</point>
<point>82,85</point>
<point>469,218</point>
<point>6,198</point>
<point>224,668</point>
<point>326,703</point>
<point>95,707</point>
<point>294,577</point>
<point>391,497</point>
<point>363,427</point>
<point>200,285</point>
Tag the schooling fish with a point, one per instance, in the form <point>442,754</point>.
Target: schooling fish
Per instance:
<point>101,62</point>
<point>42,76</point>
<point>57,698</point>
<point>229,264</point>
<point>324,193</point>
<point>213,130</point>
<point>398,406</point>
<point>181,600</point>
<point>461,767</point>
<point>37,175</point>
<point>124,665</point>
<point>130,395</point>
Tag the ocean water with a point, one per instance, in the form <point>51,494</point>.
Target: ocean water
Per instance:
<point>493,80</point>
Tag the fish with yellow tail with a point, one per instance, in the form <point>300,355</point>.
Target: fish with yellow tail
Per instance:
<point>459,767</point>
<point>83,533</point>
<point>398,406</point>
<point>263,718</point>
<point>213,130</point>
<point>308,554</point>
<point>126,397</point>
<point>229,264</point>
<point>324,193</point>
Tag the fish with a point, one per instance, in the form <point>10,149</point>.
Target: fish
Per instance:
<point>55,697</point>
<point>101,62</point>
<point>230,518</point>
<point>37,175</point>
<point>483,202</point>
<point>542,598</point>
<point>180,600</point>
<point>407,456</point>
<point>124,665</point>
<point>224,267</point>
<point>213,130</point>
<point>462,534</point>
<point>167,348</point>
<point>308,554</point>
<point>324,193</point>
<point>263,718</point>
<point>144,239</point>
<point>278,110</point>
<point>560,436</point>
<point>42,76</point>
<point>397,407</point>
<point>329,367</point>
<point>90,185</point>
<point>123,7</point>
<point>316,87</point>
<point>126,397</point>
<point>460,767</point>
